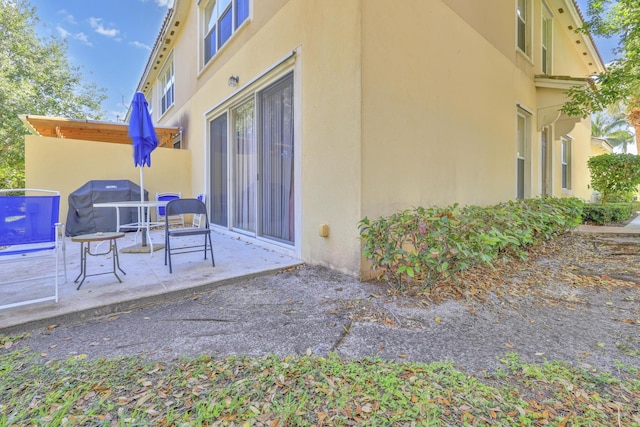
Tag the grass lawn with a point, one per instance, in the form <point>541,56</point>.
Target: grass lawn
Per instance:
<point>306,391</point>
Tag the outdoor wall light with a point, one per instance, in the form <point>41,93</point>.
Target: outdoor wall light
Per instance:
<point>233,81</point>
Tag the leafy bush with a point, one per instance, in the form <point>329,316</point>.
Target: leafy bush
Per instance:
<point>428,245</point>
<point>605,214</point>
<point>615,176</point>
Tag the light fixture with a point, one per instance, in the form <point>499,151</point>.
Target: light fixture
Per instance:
<point>233,81</point>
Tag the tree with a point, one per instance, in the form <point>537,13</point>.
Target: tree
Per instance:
<point>35,78</point>
<point>612,125</point>
<point>620,81</point>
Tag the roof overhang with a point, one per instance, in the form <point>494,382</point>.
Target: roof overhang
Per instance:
<point>572,18</point>
<point>91,130</point>
<point>601,143</point>
<point>551,96</point>
<point>171,26</point>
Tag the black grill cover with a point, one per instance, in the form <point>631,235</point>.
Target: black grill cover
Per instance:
<point>83,218</point>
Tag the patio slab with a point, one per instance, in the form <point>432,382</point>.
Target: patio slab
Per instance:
<point>147,279</point>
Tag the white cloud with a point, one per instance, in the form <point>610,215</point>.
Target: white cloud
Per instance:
<point>63,33</point>
<point>67,16</point>
<point>96,24</point>
<point>140,45</point>
<point>164,3</point>
<point>83,38</point>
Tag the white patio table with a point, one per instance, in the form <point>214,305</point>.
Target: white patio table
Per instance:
<point>143,225</point>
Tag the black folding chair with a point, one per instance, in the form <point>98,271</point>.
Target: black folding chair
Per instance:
<point>181,207</point>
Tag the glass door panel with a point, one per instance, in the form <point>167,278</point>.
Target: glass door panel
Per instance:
<point>277,186</point>
<point>219,173</point>
<point>244,167</point>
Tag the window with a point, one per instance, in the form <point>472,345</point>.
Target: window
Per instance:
<point>547,28</point>
<point>176,142</point>
<point>167,81</point>
<point>523,26</point>
<point>149,103</point>
<point>221,19</point>
<point>522,144</point>
<point>566,163</point>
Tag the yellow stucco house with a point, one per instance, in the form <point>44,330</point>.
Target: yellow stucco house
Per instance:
<point>302,117</point>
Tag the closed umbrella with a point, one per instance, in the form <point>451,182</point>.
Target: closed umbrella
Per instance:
<point>143,139</point>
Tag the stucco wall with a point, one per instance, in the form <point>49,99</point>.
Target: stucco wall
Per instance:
<point>67,164</point>
<point>326,38</point>
<point>393,109</point>
<point>439,120</point>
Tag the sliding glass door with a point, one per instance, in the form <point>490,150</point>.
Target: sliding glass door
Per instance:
<point>258,188</point>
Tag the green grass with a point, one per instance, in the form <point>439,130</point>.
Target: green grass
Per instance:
<point>306,391</point>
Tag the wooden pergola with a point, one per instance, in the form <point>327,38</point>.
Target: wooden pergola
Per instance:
<point>93,130</point>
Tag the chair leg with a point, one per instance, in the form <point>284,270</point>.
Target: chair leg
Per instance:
<point>205,246</point>
<point>166,247</point>
<point>213,263</point>
<point>167,251</point>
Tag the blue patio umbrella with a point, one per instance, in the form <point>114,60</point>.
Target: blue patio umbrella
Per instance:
<point>143,139</point>
<point>142,134</point>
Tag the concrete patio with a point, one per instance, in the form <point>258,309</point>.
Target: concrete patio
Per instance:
<point>147,279</point>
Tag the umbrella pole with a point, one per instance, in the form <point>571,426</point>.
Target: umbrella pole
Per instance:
<point>142,209</point>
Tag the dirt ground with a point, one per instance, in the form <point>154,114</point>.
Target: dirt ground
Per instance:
<point>576,299</point>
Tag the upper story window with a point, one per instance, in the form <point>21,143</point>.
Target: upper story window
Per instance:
<point>221,19</point>
<point>523,26</point>
<point>150,103</point>
<point>167,83</point>
<point>547,40</point>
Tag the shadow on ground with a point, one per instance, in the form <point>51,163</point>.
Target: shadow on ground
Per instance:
<point>573,301</point>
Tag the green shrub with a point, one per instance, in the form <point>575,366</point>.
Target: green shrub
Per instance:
<point>428,245</point>
<point>606,214</point>
<point>615,176</point>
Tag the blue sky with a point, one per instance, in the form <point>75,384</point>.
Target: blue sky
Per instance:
<point>605,46</point>
<point>110,40</point>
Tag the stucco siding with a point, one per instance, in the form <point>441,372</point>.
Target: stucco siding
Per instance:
<point>66,164</point>
<point>438,118</point>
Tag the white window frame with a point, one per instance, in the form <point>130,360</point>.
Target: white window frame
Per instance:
<point>149,98</point>
<point>546,40</point>
<point>522,147</point>
<point>166,82</point>
<point>565,162</point>
<point>523,26</point>
<point>211,14</point>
